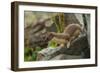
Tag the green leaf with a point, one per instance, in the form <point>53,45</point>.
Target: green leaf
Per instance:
<point>34,55</point>
<point>52,44</point>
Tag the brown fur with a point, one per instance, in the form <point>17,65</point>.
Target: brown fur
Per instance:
<point>71,32</point>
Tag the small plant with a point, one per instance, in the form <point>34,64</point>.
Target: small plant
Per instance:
<point>27,54</point>
<point>52,44</point>
<point>30,55</point>
<point>59,22</point>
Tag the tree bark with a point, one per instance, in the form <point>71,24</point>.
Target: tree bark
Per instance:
<point>77,48</point>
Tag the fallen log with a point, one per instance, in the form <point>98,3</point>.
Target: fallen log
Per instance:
<point>48,53</point>
<point>64,56</point>
<point>77,48</point>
